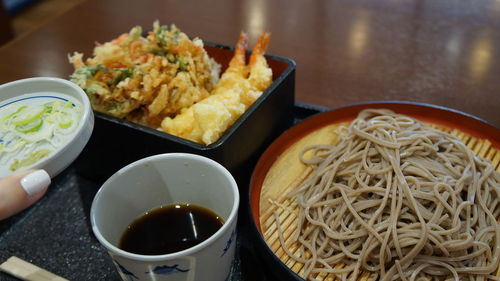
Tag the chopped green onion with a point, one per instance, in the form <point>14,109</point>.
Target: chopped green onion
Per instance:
<point>65,125</point>
<point>14,113</point>
<point>33,126</point>
<point>27,116</point>
<point>30,159</point>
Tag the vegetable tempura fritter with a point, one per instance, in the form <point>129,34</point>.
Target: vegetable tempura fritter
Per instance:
<point>145,79</point>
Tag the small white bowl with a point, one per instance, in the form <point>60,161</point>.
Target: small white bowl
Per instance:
<point>44,89</point>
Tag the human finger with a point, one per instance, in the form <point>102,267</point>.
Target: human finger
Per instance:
<point>20,190</point>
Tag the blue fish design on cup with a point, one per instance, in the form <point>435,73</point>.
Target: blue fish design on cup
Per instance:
<point>229,243</point>
<point>167,270</point>
<point>125,271</point>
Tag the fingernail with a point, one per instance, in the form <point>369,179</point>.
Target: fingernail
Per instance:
<point>35,182</point>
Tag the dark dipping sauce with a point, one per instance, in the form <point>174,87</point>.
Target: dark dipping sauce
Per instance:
<point>169,229</point>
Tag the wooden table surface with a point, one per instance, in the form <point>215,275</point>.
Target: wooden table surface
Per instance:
<point>442,52</point>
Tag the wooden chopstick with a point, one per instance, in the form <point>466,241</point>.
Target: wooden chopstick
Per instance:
<point>26,271</point>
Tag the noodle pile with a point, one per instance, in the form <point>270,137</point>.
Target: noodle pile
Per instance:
<point>398,199</point>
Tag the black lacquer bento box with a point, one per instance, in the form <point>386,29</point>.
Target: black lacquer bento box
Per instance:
<point>116,142</point>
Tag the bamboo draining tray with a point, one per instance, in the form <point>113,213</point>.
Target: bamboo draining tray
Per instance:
<point>287,172</point>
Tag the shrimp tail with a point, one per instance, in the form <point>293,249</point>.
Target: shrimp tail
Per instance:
<point>260,47</point>
<point>261,75</point>
<point>237,63</point>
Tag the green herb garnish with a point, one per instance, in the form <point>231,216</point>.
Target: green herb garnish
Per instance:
<point>123,74</point>
<point>162,53</point>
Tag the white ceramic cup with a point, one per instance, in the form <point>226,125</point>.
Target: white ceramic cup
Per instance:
<point>161,180</point>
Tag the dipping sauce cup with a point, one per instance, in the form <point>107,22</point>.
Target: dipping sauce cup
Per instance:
<point>160,180</point>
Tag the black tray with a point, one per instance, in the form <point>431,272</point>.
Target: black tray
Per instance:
<point>56,235</point>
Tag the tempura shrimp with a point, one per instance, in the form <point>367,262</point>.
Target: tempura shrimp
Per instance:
<point>240,85</point>
<point>261,75</point>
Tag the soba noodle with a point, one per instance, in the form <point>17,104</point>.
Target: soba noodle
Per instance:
<point>399,199</point>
